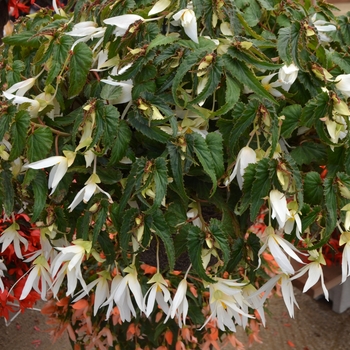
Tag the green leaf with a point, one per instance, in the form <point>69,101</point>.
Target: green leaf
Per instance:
<point>39,144</point>
<point>268,5</point>
<point>160,177</point>
<point>124,234</point>
<point>240,71</point>
<point>111,125</point>
<point>83,225</point>
<point>261,187</point>
<point>294,42</point>
<point>6,119</point>
<point>309,152</point>
<point>107,247</point>
<point>195,240</point>
<point>330,196</point>
<point>14,74</point>
<point>313,188</point>
<point>205,158</point>
<point>236,255</point>
<point>60,53</point>
<point>222,239</point>
<point>40,191</point>
<point>26,38</point>
<point>232,94</point>
<point>161,40</point>
<point>100,220</point>
<point>122,140</point>
<point>315,109</point>
<point>7,194</point>
<point>215,146</point>
<point>176,164</point>
<point>283,45</point>
<point>160,226</point>
<point>18,132</point>
<point>79,68</point>
<point>292,115</point>
<point>110,92</point>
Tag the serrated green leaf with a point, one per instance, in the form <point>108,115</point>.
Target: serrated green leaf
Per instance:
<point>6,191</point>
<point>215,146</point>
<point>161,40</point>
<point>107,247</point>
<point>232,94</point>
<point>330,191</point>
<point>163,232</point>
<point>111,125</point>
<point>26,38</point>
<point>110,92</point>
<point>292,116</point>
<point>83,225</point>
<point>236,255</point>
<point>39,144</point>
<point>261,187</point>
<point>309,152</point>
<point>125,233</point>
<point>100,220</point>
<point>283,45</point>
<point>18,132</point>
<point>176,164</point>
<point>313,188</point>
<point>122,140</point>
<point>160,177</point>
<point>79,68</point>
<point>14,74</point>
<point>220,238</point>
<point>240,71</point>
<point>6,119</point>
<point>195,239</point>
<point>294,42</point>
<point>40,191</point>
<point>205,158</point>
<point>315,109</point>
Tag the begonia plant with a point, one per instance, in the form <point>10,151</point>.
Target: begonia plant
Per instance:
<point>166,165</point>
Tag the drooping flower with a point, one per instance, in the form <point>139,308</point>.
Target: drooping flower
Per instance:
<point>270,87</point>
<point>322,28</point>
<point>19,89</point>
<point>72,257</point>
<point>188,21</point>
<point>159,6</point>
<point>2,269</point>
<point>86,31</point>
<point>122,23</point>
<point>225,299</point>
<point>157,292</point>
<point>60,166</point>
<point>88,191</point>
<point>12,236</point>
<point>101,292</point>
<point>280,210</point>
<point>276,243</point>
<point>294,218</point>
<point>336,127</point>
<point>245,157</point>
<point>39,273</point>
<point>34,105</point>
<point>179,305</point>
<point>343,84</point>
<point>287,76</point>
<point>315,272</point>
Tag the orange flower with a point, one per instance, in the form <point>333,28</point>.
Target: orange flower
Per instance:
<point>169,336</point>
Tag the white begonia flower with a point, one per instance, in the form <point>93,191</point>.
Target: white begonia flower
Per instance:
<point>336,127</point>
<point>10,235</point>
<point>226,303</point>
<point>315,271</point>
<point>276,243</point>
<point>126,85</point>
<point>39,273</point>
<point>122,23</point>
<point>2,269</point>
<point>121,294</point>
<point>343,84</point>
<point>294,218</point>
<point>101,292</point>
<point>159,6</point>
<point>157,292</point>
<point>47,99</point>
<point>322,28</point>
<point>345,264</point>
<point>188,21</point>
<point>245,157</point>
<point>287,76</point>
<point>270,87</point>
<point>22,87</point>
<point>86,31</point>
<point>72,258</point>
<point>179,305</point>
<point>60,166</point>
<point>280,210</point>
<point>88,191</point>
<point>249,293</point>
<point>34,107</point>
